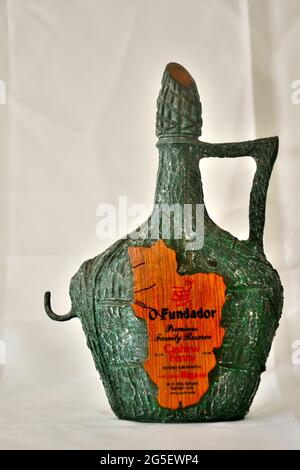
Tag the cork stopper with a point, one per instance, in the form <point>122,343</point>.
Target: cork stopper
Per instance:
<point>178,104</point>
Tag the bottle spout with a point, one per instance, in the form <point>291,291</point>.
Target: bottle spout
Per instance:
<point>51,314</point>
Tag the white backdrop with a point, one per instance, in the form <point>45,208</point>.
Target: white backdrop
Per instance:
<point>82,80</point>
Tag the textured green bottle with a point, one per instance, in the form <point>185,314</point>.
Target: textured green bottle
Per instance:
<point>104,297</point>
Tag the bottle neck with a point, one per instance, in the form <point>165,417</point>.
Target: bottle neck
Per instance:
<point>178,178</point>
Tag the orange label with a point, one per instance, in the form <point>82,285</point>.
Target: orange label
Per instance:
<point>183,315</point>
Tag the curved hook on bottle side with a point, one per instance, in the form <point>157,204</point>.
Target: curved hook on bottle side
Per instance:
<point>51,314</point>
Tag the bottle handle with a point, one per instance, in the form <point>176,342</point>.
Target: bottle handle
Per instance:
<point>264,151</point>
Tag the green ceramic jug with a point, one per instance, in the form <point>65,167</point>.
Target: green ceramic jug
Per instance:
<point>180,327</point>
